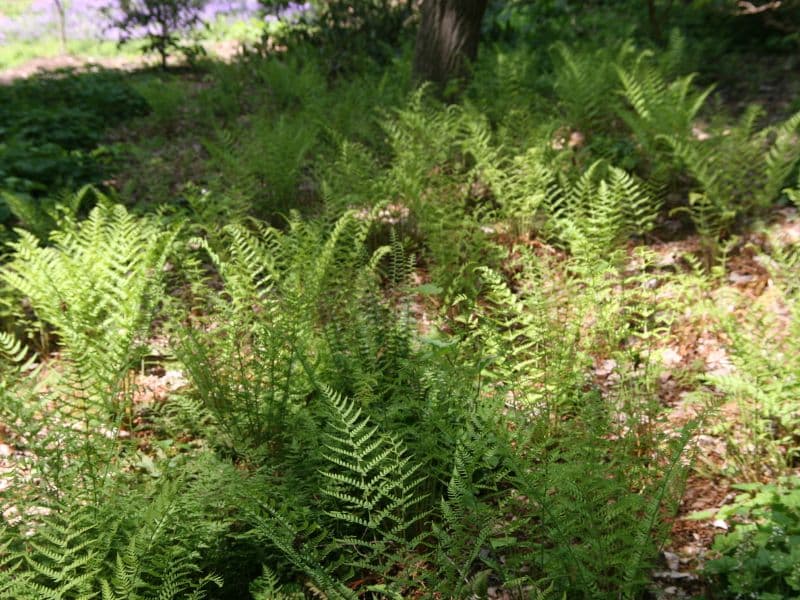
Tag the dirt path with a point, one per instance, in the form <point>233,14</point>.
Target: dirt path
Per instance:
<point>226,50</point>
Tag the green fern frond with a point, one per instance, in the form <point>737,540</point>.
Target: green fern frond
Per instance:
<point>96,285</point>
<point>304,554</point>
<point>465,528</point>
<point>603,208</point>
<point>63,555</point>
<point>585,84</point>
<point>782,157</point>
<point>12,349</point>
<point>370,476</point>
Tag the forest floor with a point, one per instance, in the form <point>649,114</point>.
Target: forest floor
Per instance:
<point>695,347</point>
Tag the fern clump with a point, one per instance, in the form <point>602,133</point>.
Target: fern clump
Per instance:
<point>738,172</point>
<point>763,383</point>
<point>585,84</point>
<point>598,213</point>
<point>96,285</point>
<point>86,549</point>
<point>656,108</point>
<point>414,345</point>
<point>595,214</point>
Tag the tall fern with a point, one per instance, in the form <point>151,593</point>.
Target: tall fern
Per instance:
<point>373,485</point>
<point>96,285</point>
<point>738,172</point>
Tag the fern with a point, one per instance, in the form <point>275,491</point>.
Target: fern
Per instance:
<point>599,213</point>
<point>527,189</point>
<point>154,564</point>
<point>467,522</point>
<point>764,383</point>
<point>584,82</point>
<point>268,587</point>
<point>658,108</point>
<point>281,289</point>
<point>63,555</point>
<point>41,216</point>
<point>739,172</point>
<point>12,349</point>
<point>81,551</point>
<point>782,157</point>
<point>96,286</point>
<point>263,164</point>
<point>372,480</point>
<point>305,550</point>
<point>371,509</point>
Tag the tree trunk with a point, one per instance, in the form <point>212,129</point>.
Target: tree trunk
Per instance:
<point>447,39</point>
<point>62,24</point>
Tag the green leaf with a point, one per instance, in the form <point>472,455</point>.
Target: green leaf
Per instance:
<point>702,515</point>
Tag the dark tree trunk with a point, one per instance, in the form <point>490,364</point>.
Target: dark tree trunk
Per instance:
<point>447,40</point>
<point>62,24</point>
<point>657,21</point>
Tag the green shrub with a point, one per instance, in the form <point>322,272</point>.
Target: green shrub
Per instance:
<point>164,23</point>
<point>349,35</point>
<point>53,127</point>
<point>760,557</point>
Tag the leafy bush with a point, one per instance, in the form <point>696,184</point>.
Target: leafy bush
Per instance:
<point>53,128</point>
<point>164,23</point>
<point>760,557</point>
<point>351,34</point>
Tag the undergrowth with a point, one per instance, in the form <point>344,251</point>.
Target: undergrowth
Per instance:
<point>416,349</point>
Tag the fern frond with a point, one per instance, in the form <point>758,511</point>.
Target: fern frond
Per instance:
<point>783,156</point>
<point>303,555</point>
<point>97,285</point>
<point>12,349</point>
<point>371,477</point>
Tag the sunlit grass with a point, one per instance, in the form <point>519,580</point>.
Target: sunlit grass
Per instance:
<point>13,8</point>
<point>13,54</point>
<point>16,52</point>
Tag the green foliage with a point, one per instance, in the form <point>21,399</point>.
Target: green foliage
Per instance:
<point>596,214</point>
<point>739,172</point>
<point>105,549</point>
<point>760,557</point>
<point>373,482</point>
<point>52,129</point>
<point>280,288</point>
<point>585,85</point>
<point>658,108</point>
<point>764,383</point>
<point>348,35</point>
<point>431,369</point>
<point>469,524</point>
<point>96,286</point>
<point>264,163</point>
<point>165,24</point>
<point>537,358</point>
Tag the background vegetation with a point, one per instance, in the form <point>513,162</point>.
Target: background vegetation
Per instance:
<point>293,325</point>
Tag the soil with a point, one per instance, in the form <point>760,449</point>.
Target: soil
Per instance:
<point>224,50</point>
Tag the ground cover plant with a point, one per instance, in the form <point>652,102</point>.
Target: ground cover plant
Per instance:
<point>301,324</point>
<point>53,142</point>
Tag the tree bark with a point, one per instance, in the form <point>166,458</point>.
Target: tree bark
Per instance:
<point>447,39</point>
<point>62,24</point>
